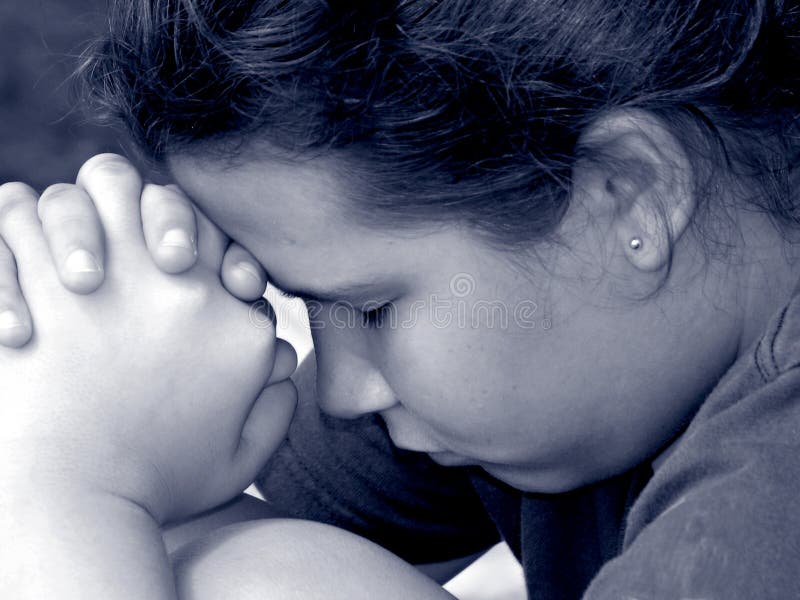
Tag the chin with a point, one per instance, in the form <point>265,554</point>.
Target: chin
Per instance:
<point>449,459</point>
<point>528,479</point>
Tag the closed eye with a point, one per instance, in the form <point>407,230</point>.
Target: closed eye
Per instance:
<point>286,294</point>
<point>376,317</point>
<point>373,317</point>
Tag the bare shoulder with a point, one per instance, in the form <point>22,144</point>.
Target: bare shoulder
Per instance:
<point>287,558</point>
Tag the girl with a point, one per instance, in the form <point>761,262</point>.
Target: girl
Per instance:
<point>548,250</point>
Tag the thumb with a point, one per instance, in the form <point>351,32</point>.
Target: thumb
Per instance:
<point>264,430</point>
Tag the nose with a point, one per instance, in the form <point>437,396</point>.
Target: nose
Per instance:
<point>353,393</point>
<point>348,383</point>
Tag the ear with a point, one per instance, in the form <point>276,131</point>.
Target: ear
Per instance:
<point>637,173</point>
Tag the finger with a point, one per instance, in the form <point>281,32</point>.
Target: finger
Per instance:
<point>262,315</point>
<point>285,362</point>
<point>74,235</point>
<point>170,228</point>
<point>264,430</point>
<point>15,321</point>
<point>211,240</point>
<point>21,230</point>
<point>242,274</point>
<point>115,187</point>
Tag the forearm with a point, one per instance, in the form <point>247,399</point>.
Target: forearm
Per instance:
<point>76,546</point>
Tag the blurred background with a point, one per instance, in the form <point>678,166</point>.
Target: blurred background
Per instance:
<point>44,136</point>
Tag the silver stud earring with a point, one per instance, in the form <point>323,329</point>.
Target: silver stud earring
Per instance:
<point>636,243</point>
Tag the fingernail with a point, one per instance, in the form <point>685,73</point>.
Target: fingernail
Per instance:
<point>82,261</point>
<point>10,319</point>
<point>178,238</point>
<point>250,269</point>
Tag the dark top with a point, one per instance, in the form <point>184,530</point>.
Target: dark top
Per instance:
<point>719,518</point>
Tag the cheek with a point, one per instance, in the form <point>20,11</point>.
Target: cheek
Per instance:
<point>461,381</point>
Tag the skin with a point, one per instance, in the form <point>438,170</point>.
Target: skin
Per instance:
<point>607,385</point>
<point>593,382</point>
<point>611,381</point>
<point>97,443</point>
<point>111,426</point>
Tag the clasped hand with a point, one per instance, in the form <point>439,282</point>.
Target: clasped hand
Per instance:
<point>147,384</point>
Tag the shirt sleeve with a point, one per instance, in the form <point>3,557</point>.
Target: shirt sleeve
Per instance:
<point>349,474</point>
<point>719,519</point>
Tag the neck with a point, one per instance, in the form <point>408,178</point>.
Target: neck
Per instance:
<point>770,273</point>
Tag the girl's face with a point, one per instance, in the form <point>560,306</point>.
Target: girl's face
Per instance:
<point>548,377</point>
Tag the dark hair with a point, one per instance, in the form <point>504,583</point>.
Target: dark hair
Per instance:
<point>457,109</point>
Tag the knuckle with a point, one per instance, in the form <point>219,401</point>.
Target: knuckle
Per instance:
<point>162,206</point>
<point>106,166</point>
<point>176,196</point>
<point>16,191</point>
<point>16,188</point>
<point>159,206</point>
<point>56,196</point>
<point>57,190</point>
<point>15,196</point>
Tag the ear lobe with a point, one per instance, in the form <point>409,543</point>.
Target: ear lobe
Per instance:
<point>647,178</point>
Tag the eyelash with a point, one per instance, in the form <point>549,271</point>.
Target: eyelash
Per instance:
<point>371,318</point>
<point>374,317</point>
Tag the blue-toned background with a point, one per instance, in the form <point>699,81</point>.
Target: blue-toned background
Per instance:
<point>44,138</point>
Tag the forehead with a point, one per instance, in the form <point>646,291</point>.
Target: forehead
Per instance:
<point>294,218</point>
<point>300,201</point>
